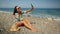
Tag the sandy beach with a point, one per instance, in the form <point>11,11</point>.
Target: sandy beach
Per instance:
<point>44,25</point>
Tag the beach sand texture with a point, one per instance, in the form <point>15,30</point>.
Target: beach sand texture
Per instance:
<point>43,25</point>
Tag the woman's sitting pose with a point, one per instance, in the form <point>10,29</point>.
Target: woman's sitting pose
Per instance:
<point>20,20</point>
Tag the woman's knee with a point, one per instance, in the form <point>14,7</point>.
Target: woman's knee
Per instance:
<point>18,23</point>
<point>26,19</point>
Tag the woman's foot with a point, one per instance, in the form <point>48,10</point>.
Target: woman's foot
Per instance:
<point>34,30</point>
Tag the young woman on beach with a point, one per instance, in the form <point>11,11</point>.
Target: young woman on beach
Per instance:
<point>20,20</point>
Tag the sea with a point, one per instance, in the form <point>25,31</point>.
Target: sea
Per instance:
<point>40,12</point>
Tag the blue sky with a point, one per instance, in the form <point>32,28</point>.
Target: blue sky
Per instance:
<point>26,3</point>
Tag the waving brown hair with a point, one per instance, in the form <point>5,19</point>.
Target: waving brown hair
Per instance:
<point>15,10</point>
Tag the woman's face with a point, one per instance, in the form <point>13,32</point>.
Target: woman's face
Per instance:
<point>18,8</point>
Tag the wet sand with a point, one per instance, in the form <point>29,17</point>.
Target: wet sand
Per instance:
<point>44,25</point>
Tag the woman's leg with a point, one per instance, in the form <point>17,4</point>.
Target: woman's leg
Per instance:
<point>28,25</point>
<point>19,23</point>
<point>27,21</point>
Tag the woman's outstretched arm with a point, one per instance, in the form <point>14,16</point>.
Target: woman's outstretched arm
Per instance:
<point>29,10</point>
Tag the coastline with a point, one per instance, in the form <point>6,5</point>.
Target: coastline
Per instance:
<point>46,25</point>
<point>45,16</point>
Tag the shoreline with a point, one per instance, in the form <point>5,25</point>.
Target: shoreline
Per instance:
<point>44,16</point>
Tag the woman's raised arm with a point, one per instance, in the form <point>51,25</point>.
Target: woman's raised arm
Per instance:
<point>29,10</point>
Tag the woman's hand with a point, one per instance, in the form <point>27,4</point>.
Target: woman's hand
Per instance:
<point>32,7</point>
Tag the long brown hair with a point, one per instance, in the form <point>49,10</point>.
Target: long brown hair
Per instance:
<point>15,10</point>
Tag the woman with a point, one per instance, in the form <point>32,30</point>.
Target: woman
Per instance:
<point>21,20</point>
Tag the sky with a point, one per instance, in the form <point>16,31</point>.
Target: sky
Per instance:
<point>27,3</point>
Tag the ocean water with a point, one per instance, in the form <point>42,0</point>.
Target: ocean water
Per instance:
<point>41,12</point>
